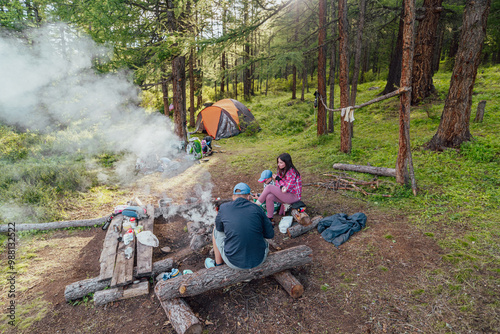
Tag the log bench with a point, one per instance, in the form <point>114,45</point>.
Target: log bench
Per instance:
<point>171,292</point>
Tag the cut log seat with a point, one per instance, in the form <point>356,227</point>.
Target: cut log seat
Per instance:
<point>289,283</point>
<point>181,316</point>
<point>222,276</point>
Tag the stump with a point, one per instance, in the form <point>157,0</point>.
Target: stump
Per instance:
<point>480,111</point>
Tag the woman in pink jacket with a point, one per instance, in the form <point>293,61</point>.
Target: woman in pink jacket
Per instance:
<point>287,188</point>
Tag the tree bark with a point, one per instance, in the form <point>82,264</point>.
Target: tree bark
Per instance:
<point>425,42</point>
<point>404,160</point>
<point>333,55</point>
<point>321,122</point>
<point>82,288</point>
<point>192,85</point>
<point>357,56</point>
<point>345,128</point>
<point>453,128</point>
<point>164,89</point>
<point>223,78</point>
<point>179,96</point>
<point>222,276</point>
<point>394,76</point>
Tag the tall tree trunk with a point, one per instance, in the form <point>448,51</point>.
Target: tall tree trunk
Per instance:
<point>179,96</point>
<point>404,154</point>
<point>421,84</point>
<point>223,78</point>
<point>164,89</point>
<point>333,55</point>
<point>192,85</point>
<point>453,128</point>
<point>295,38</point>
<point>235,84</point>
<point>345,128</point>
<point>246,57</point>
<point>322,69</point>
<point>394,76</point>
<point>199,83</point>
<point>357,56</point>
<point>436,58</point>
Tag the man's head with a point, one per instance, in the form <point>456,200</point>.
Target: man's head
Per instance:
<point>241,190</point>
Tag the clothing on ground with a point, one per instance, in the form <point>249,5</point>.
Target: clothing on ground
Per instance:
<point>339,227</point>
<point>246,227</point>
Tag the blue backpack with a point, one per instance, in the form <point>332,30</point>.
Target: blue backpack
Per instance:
<point>135,211</point>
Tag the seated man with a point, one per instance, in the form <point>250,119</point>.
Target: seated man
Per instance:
<point>240,233</point>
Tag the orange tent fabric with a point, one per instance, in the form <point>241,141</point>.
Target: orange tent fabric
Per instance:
<point>222,119</point>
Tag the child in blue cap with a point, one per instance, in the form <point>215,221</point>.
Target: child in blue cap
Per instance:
<point>266,177</point>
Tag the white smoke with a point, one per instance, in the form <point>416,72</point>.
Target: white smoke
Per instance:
<point>49,86</point>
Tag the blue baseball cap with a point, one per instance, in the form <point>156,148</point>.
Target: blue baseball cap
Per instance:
<point>241,189</point>
<point>265,175</point>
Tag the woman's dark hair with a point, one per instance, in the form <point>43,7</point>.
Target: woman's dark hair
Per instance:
<point>287,159</point>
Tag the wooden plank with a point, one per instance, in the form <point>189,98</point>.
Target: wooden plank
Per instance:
<point>108,254</point>
<point>145,253</point>
<point>135,290</point>
<point>129,264</point>
<point>110,295</point>
<point>122,275</point>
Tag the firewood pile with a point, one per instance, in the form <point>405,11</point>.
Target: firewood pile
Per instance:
<point>343,182</point>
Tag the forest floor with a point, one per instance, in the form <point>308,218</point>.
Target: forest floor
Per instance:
<point>373,283</point>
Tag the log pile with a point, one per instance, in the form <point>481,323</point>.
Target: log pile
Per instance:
<point>344,182</point>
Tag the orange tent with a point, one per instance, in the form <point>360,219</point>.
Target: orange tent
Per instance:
<point>225,118</point>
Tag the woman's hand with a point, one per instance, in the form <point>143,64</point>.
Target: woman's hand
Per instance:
<point>283,189</point>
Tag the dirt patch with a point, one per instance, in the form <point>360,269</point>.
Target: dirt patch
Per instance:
<point>369,284</point>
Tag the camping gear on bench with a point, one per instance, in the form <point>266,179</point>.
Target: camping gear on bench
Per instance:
<point>135,211</point>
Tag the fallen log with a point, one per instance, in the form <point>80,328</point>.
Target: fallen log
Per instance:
<point>82,288</point>
<point>53,225</point>
<point>181,316</point>
<point>222,276</point>
<point>382,171</point>
<point>297,229</point>
<point>289,283</point>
